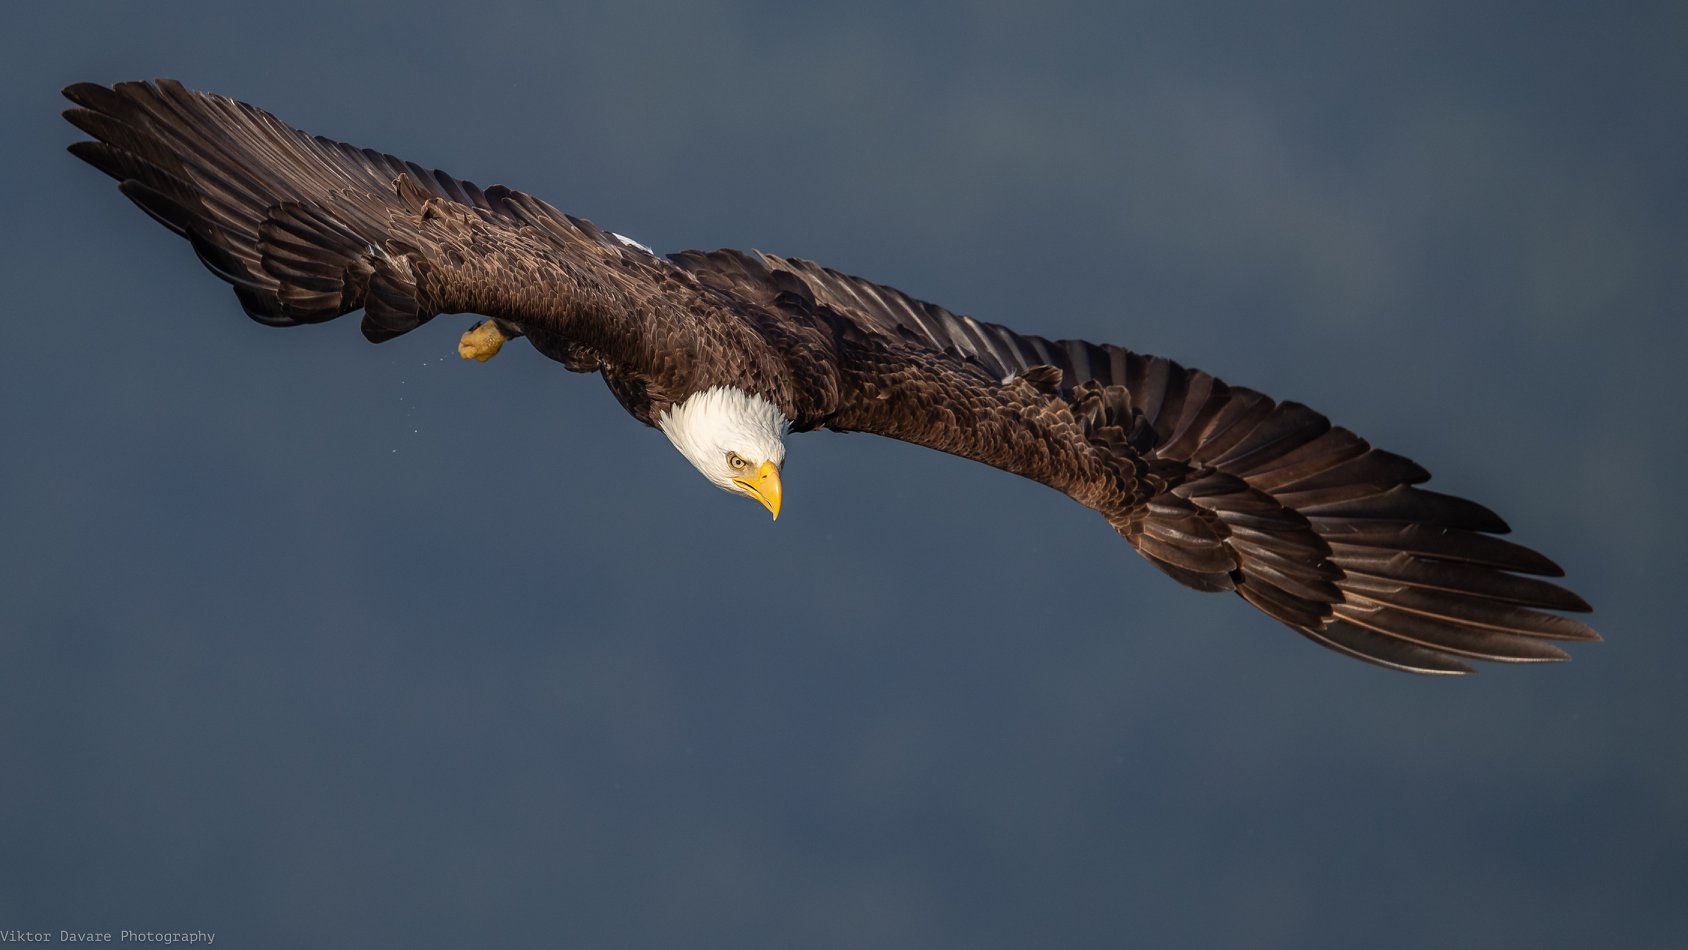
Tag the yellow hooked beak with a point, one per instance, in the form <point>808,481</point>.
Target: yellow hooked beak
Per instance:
<point>764,486</point>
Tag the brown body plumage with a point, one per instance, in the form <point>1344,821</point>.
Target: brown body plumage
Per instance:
<point>1218,486</point>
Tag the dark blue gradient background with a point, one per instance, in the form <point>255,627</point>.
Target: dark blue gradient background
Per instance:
<point>313,643</point>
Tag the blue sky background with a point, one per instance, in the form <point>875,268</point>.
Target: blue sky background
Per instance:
<point>309,642</point>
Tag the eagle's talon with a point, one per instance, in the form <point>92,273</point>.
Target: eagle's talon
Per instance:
<point>481,342</point>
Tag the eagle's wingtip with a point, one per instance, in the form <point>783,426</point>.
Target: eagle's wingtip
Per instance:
<point>81,92</point>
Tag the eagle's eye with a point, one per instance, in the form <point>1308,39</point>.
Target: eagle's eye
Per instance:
<point>737,461</point>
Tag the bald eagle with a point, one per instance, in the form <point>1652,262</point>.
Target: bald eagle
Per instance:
<point>727,352</point>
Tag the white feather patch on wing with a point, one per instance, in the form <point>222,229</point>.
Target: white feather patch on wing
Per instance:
<point>632,243</point>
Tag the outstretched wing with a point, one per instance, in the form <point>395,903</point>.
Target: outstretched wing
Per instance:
<point>307,229</point>
<point>1224,488</point>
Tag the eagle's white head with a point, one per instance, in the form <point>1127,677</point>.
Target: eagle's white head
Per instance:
<point>736,439</point>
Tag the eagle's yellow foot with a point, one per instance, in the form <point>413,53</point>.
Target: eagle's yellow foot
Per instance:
<point>481,343</point>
